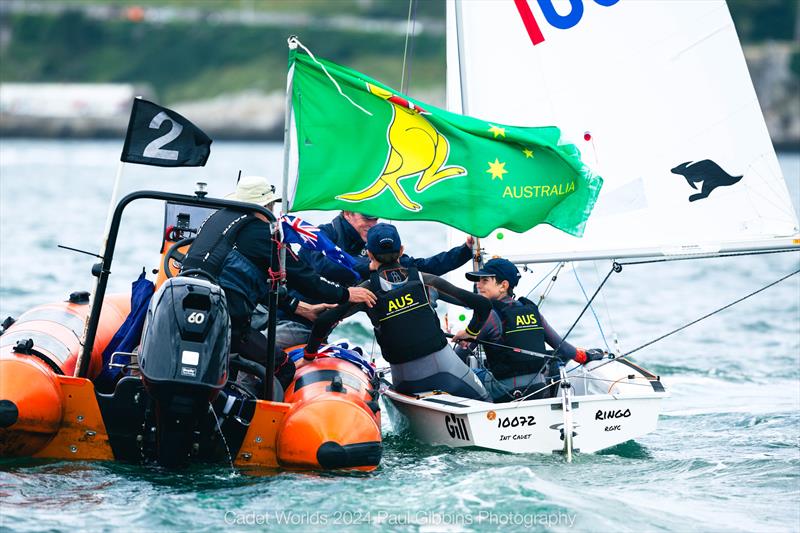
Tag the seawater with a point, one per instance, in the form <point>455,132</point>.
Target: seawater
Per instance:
<point>725,455</point>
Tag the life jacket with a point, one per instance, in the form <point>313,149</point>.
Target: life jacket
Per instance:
<point>214,252</point>
<point>522,328</point>
<point>216,239</point>
<point>406,326</point>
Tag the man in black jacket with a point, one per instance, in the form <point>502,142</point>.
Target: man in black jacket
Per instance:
<point>349,231</point>
<point>236,249</point>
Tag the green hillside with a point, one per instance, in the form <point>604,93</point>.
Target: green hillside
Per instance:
<point>199,48</point>
<point>196,59</point>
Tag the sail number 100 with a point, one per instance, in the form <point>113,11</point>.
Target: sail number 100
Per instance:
<point>516,421</point>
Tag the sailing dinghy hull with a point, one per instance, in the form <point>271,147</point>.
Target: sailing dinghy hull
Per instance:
<point>599,421</point>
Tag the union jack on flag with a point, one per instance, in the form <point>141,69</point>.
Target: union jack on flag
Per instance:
<point>298,231</point>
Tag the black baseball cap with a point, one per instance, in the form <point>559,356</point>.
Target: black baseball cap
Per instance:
<point>498,268</point>
<point>383,239</point>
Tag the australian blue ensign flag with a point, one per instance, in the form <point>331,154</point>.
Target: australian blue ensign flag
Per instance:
<point>161,137</point>
<point>296,230</point>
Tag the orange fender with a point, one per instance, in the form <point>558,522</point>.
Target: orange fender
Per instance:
<point>329,426</point>
<point>32,397</point>
<point>31,405</point>
<point>57,328</point>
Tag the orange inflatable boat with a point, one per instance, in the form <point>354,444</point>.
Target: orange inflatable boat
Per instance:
<point>178,397</point>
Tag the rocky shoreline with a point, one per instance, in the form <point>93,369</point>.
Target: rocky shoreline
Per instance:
<point>253,115</point>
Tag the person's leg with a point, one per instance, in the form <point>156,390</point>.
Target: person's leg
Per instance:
<point>441,370</point>
<point>492,385</point>
<point>252,344</point>
<point>289,333</point>
<point>515,387</point>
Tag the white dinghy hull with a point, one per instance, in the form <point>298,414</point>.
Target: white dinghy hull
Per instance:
<point>599,421</point>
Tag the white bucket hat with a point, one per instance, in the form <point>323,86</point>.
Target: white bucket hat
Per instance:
<point>255,190</point>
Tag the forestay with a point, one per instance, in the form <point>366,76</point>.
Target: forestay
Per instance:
<point>658,98</point>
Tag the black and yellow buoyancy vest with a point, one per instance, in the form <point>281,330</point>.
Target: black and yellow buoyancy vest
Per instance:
<point>406,326</point>
<point>522,328</point>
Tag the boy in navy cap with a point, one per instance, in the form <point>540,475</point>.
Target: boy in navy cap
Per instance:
<point>349,231</point>
<point>514,323</point>
<point>406,325</point>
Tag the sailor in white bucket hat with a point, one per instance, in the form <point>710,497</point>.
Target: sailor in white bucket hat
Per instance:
<point>255,190</point>
<point>237,250</point>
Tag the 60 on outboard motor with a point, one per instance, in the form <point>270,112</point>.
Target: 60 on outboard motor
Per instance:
<point>183,360</point>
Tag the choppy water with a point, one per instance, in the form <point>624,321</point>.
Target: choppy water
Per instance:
<point>726,455</point>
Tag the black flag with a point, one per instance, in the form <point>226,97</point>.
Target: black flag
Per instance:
<point>161,137</point>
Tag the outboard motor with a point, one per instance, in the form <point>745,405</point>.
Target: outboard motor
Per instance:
<point>183,360</point>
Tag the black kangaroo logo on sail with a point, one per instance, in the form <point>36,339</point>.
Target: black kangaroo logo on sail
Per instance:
<point>707,171</point>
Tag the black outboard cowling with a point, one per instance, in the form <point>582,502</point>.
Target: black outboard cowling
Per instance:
<point>183,360</point>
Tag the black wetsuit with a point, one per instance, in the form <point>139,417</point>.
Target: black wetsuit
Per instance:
<point>243,272</point>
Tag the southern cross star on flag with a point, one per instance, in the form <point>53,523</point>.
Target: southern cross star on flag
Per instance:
<point>298,231</point>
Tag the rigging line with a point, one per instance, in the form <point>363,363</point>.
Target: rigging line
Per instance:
<point>713,312</point>
<point>551,284</point>
<point>625,356</point>
<point>615,381</point>
<point>752,191</point>
<point>301,45</point>
<point>537,391</point>
<point>771,182</point>
<point>409,30</point>
<point>596,319</point>
<point>615,338</point>
<point>541,280</point>
<point>615,267</point>
<point>701,256</point>
<point>411,48</point>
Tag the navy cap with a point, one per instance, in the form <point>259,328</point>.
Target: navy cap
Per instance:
<point>498,268</point>
<point>383,239</point>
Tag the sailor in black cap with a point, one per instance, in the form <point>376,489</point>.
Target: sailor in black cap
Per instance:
<point>514,323</point>
<point>406,325</point>
<point>349,232</point>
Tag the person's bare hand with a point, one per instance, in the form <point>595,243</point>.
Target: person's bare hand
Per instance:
<point>470,241</point>
<point>463,338</point>
<point>312,311</point>
<point>361,295</point>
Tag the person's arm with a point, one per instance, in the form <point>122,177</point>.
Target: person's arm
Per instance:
<point>441,263</point>
<point>491,331</point>
<point>302,278</point>
<point>562,348</point>
<point>324,325</point>
<point>455,295</point>
<point>327,268</point>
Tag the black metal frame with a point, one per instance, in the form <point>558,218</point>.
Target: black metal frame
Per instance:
<point>103,270</point>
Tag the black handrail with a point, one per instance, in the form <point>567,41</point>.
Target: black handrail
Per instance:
<point>103,270</point>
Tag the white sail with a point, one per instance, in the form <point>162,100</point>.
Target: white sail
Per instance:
<point>641,87</point>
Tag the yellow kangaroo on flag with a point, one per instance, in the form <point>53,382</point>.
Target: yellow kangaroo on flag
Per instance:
<point>415,148</point>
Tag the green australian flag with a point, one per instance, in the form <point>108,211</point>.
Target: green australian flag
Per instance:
<point>364,147</point>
